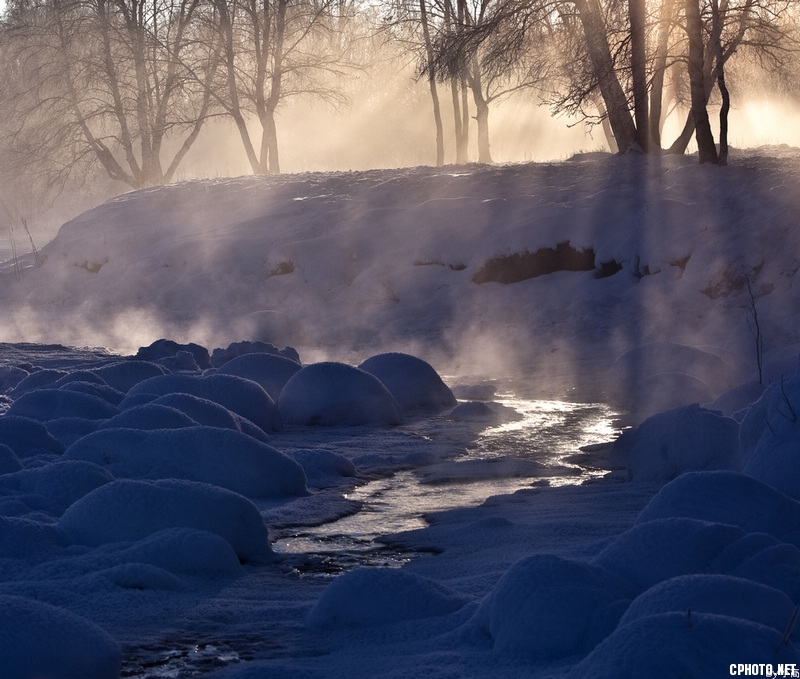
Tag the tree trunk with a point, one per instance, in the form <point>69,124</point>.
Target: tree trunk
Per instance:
<point>437,115</point>
<point>659,72</point>
<point>723,89</point>
<point>482,118</point>
<point>603,64</point>
<point>707,151</point>
<point>637,14</point>
<point>461,147</point>
<point>482,113</point>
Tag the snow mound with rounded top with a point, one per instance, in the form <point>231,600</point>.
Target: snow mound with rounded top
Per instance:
<point>716,594</point>
<point>413,382</point>
<point>27,436</point>
<point>683,439</point>
<point>547,607</point>
<point>224,457</point>
<point>727,497</point>
<point>243,397</point>
<point>149,416</point>
<point>128,510</point>
<point>40,640</point>
<point>122,376</point>
<point>270,370</point>
<point>52,404</point>
<point>658,550</point>
<point>376,596</point>
<point>684,644</point>
<point>337,394</point>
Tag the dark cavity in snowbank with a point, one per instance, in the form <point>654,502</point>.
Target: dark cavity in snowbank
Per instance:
<point>521,266</point>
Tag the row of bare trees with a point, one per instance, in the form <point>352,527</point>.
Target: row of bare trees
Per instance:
<point>627,64</point>
<point>128,85</point>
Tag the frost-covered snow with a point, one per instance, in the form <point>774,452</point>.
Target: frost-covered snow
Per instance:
<point>179,505</point>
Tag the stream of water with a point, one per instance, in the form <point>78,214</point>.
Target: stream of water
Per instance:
<point>537,447</point>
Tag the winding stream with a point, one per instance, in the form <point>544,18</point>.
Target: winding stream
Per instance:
<point>538,447</point>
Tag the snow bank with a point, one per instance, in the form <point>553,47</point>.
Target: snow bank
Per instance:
<point>244,397</point>
<point>687,644</point>
<point>113,396</point>
<point>40,640</point>
<point>680,440</point>
<point>377,596</point>
<point>125,511</point>
<point>547,607</point>
<point>331,394</point>
<point>412,381</point>
<point>270,370</point>
<point>222,457</point>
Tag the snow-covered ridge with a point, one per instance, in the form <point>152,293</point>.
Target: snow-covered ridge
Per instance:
<point>387,260</point>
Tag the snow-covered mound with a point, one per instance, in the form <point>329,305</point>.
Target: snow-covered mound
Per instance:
<point>546,607</point>
<point>126,510</point>
<point>223,457</point>
<point>244,397</point>
<point>412,381</point>
<point>39,640</point>
<point>331,394</point>
<point>381,595</point>
<point>727,497</point>
<point>715,594</point>
<point>271,371</point>
<point>684,644</point>
<point>689,438</point>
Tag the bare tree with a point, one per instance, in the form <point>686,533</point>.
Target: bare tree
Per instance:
<point>275,50</point>
<point>104,82</point>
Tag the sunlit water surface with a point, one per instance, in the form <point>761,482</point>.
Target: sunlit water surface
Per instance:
<point>537,448</point>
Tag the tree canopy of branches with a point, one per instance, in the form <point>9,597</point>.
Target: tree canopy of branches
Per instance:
<point>106,82</point>
<point>274,50</point>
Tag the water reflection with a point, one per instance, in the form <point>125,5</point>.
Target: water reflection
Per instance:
<point>540,446</point>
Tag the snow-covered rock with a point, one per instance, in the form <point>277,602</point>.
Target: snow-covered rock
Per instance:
<point>727,497</point>
<point>684,644</point>
<point>377,596</point>
<point>52,404</point>
<point>684,439</point>
<point>243,397</point>
<point>413,382</point>
<point>27,436</point>
<point>223,457</point>
<point>271,371</point>
<point>127,510</point>
<point>715,594</point>
<point>331,394</point>
<point>40,640</point>
<point>122,376</point>
<point>547,607</point>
